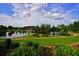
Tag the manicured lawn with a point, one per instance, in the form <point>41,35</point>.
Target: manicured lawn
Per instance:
<point>49,41</point>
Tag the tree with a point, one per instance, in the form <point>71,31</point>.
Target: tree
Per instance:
<point>54,29</point>
<point>62,27</point>
<point>3,30</point>
<point>74,26</point>
<point>62,32</point>
<point>45,28</point>
<point>3,27</point>
<point>10,27</point>
<point>37,29</point>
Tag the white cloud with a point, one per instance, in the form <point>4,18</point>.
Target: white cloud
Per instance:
<point>35,14</point>
<point>8,20</point>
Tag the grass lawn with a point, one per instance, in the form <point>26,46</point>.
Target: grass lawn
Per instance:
<point>49,41</point>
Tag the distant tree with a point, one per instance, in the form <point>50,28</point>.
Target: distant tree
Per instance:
<point>54,29</point>
<point>45,28</point>
<point>62,27</point>
<point>37,29</point>
<point>62,32</point>
<point>3,30</point>
<point>3,27</point>
<point>10,27</point>
<point>74,26</point>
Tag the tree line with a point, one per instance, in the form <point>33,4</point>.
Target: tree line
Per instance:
<point>44,28</point>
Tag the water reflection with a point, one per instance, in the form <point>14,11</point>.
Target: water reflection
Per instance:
<point>10,33</point>
<point>14,34</point>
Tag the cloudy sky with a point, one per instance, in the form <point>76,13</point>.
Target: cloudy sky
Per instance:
<point>26,14</point>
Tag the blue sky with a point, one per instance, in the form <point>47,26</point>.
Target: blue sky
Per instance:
<point>6,8</point>
<point>33,14</point>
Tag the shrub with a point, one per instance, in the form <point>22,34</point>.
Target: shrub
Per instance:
<point>32,49</point>
<point>2,46</point>
<point>44,51</point>
<point>23,51</point>
<point>63,50</point>
<point>29,44</point>
<point>36,45</point>
<point>29,51</point>
<point>62,32</point>
<point>8,43</point>
<point>36,35</point>
<point>7,46</point>
<point>14,45</point>
<point>44,35</point>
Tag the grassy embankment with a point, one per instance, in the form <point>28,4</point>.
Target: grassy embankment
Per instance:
<point>49,41</point>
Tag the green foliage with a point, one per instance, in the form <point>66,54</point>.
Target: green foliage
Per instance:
<point>34,50</point>
<point>3,30</point>
<point>54,29</point>
<point>39,35</point>
<point>29,44</point>
<point>24,51</point>
<point>74,26</point>
<point>44,35</point>
<point>43,29</point>
<point>20,51</point>
<point>6,46</point>
<point>62,27</point>
<point>3,27</point>
<point>62,32</point>
<point>8,43</point>
<point>49,41</point>
<point>36,45</point>
<point>10,27</point>
<point>62,50</point>
<point>35,35</point>
<point>14,45</point>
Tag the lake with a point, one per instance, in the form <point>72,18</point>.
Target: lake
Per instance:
<point>14,34</point>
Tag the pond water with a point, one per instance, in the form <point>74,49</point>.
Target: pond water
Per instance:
<point>14,34</point>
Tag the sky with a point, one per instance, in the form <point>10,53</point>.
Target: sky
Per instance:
<point>31,14</point>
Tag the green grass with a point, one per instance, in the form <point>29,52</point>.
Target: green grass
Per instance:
<point>1,40</point>
<point>61,43</point>
<point>45,41</point>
